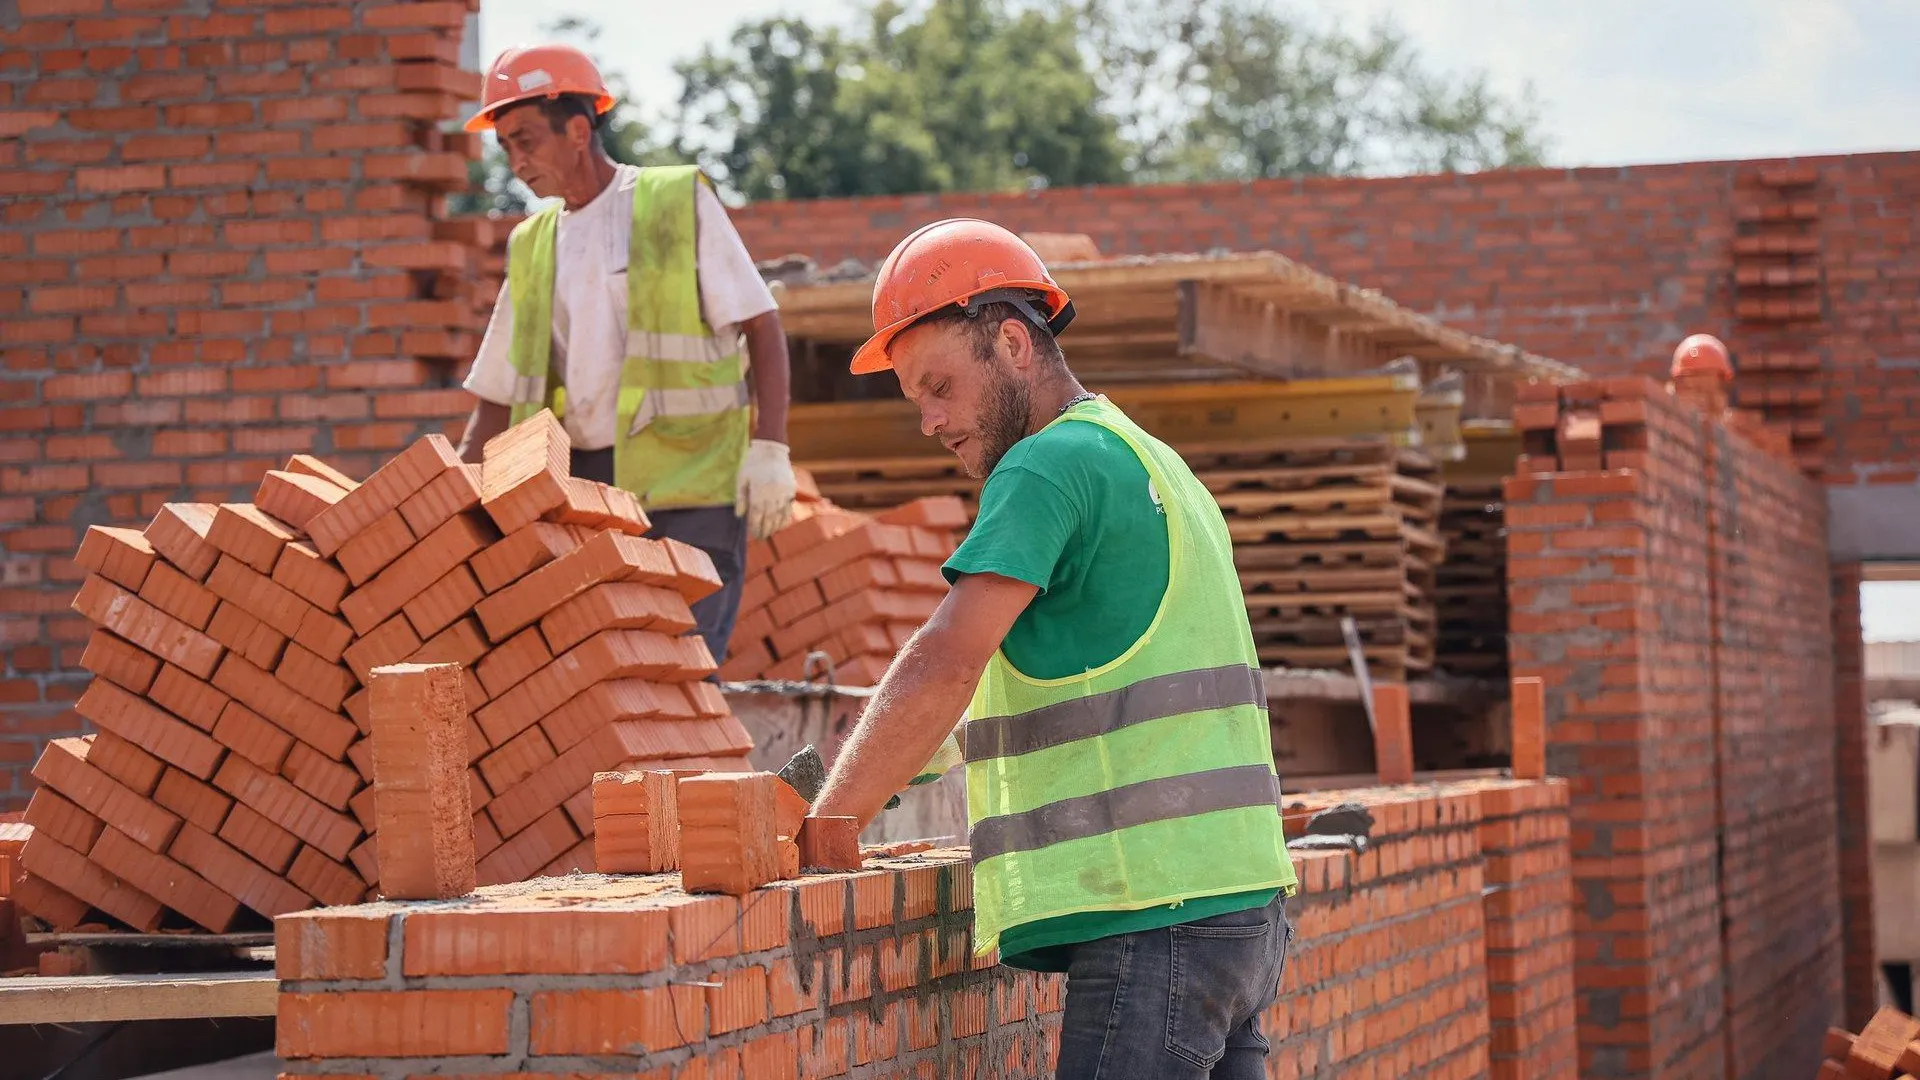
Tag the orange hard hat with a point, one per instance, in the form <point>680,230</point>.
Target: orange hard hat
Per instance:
<point>1701,354</point>
<point>961,261</point>
<point>526,72</point>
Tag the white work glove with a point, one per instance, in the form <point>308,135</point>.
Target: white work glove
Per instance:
<point>765,495</point>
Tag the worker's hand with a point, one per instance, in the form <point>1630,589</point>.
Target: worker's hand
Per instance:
<point>765,497</point>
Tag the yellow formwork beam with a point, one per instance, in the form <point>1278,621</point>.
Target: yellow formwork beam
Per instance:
<point>1371,406</point>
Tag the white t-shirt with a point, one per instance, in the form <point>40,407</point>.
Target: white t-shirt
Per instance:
<point>590,304</point>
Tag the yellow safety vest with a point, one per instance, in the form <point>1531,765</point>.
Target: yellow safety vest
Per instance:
<point>1145,782</point>
<point>684,417</point>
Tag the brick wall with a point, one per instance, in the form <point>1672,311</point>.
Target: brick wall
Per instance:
<point>1606,268</point>
<point>221,247</point>
<point>1850,783</point>
<point>870,974</point>
<point>1679,616</point>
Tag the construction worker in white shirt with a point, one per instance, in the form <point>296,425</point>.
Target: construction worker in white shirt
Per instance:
<point>624,310</point>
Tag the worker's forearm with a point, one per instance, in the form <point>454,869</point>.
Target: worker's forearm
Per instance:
<point>487,421</point>
<point>912,711</point>
<point>772,375</point>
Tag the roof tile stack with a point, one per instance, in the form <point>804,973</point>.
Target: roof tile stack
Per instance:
<point>230,772</point>
<point>843,586</point>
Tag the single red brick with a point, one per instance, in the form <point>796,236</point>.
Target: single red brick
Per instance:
<point>524,472</point>
<point>463,643</point>
<point>920,575</point>
<point>933,512</point>
<point>385,1023</point>
<point>311,577</point>
<point>122,556</point>
<point>180,596</point>
<point>52,815</point>
<point>375,548</point>
<point>610,654</point>
<point>125,762</point>
<point>250,535</point>
<point>584,504</point>
<point>830,843</point>
<point>230,871</point>
<point>197,803</point>
<point>383,492</point>
<point>869,539</point>
<point>796,603</point>
<point>326,685</point>
<point>279,801</point>
<point>331,944</point>
<point>257,595</point>
<point>323,729</point>
<point>261,644</point>
<point>158,633</point>
<point>756,591</point>
<point>424,806</point>
<point>264,842</point>
<point>624,511</point>
<point>727,838</point>
<point>137,720</point>
<point>636,823</point>
<point>296,498</point>
<point>324,879</point>
<point>74,873</point>
<point>694,573</point>
<point>596,1022</point>
<point>308,465</point>
<point>178,532</point>
<point>858,575</point>
<point>523,551</point>
<point>112,658</point>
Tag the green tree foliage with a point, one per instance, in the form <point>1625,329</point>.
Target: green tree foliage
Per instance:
<point>966,95</point>
<point>1234,89</point>
<point>998,95</point>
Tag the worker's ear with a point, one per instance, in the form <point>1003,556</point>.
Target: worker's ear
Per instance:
<point>580,131</point>
<point>1017,340</point>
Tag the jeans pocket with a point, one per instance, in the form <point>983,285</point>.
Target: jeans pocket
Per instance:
<point>1219,971</point>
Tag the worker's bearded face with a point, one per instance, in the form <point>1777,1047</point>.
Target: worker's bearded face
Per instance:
<point>977,405</point>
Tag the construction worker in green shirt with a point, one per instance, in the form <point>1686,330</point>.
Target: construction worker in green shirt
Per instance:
<point>1122,804</point>
<point>632,310</point>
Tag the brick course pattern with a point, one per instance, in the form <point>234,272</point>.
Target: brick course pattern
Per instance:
<point>224,242</point>
<point>1678,614</point>
<point>871,973</point>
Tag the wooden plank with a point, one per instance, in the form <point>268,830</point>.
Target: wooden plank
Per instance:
<point>104,998</point>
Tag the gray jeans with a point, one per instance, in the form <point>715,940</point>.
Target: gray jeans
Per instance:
<point>1179,1003</point>
<point>716,530</point>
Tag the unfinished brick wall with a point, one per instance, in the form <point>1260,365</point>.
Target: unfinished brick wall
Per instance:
<point>870,974</point>
<point>221,246</point>
<point>1850,783</point>
<point>1679,616</point>
<point>1605,268</point>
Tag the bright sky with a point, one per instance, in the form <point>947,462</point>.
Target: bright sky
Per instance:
<point>1622,82</point>
<point>1625,82</point>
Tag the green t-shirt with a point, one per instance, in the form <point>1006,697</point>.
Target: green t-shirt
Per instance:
<point>1072,511</point>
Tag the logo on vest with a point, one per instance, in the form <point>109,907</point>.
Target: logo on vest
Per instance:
<point>1154,494</point>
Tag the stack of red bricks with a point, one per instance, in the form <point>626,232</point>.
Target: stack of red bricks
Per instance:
<point>1888,1047</point>
<point>1602,424</point>
<point>231,769</point>
<point>850,586</point>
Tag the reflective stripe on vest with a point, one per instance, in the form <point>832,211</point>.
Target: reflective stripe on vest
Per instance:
<point>1163,799</point>
<point>675,368</point>
<point>693,401</point>
<point>1083,718</point>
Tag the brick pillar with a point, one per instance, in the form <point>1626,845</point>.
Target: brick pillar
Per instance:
<point>1850,780</point>
<point>223,244</point>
